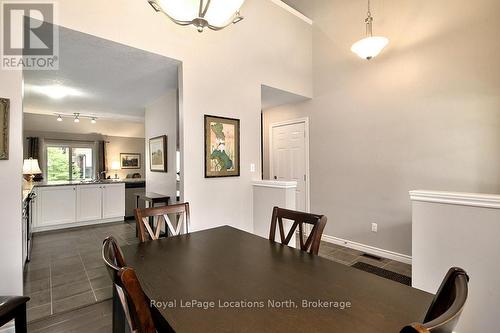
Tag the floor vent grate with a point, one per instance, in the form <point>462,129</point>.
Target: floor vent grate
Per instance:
<point>383,273</point>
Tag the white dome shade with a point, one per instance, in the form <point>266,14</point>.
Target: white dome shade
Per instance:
<point>369,47</point>
<point>31,167</point>
<point>219,13</point>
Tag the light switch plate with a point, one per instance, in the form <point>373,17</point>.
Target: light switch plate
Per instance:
<point>252,167</point>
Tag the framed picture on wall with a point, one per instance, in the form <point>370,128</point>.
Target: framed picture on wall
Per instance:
<point>130,161</point>
<point>222,147</point>
<point>4,128</point>
<point>158,154</point>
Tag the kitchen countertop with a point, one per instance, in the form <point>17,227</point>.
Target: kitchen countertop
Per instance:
<point>75,182</point>
<point>29,187</point>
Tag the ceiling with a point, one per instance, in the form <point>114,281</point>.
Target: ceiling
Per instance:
<point>108,127</point>
<point>112,80</point>
<point>303,6</point>
<point>273,97</point>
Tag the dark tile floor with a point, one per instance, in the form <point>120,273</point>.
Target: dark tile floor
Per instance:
<point>66,273</point>
<point>95,318</point>
<point>349,257</point>
<point>66,270</point>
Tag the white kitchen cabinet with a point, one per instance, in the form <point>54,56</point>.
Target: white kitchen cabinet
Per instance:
<point>56,205</point>
<point>69,206</point>
<point>89,202</point>
<point>113,200</point>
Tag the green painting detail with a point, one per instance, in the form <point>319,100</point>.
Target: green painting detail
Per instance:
<point>219,155</point>
<point>222,147</point>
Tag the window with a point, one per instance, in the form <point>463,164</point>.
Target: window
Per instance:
<point>70,161</point>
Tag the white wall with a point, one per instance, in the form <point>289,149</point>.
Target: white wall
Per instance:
<point>222,75</point>
<point>423,114</point>
<point>161,119</point>
<point>459,229</point>
<point>11,189</point>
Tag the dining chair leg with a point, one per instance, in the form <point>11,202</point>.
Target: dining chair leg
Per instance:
<point>119,320</point>
<point>20,319</point>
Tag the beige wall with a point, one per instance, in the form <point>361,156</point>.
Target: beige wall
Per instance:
<point>424,114</point>
<point>114,146</point>
<point>117,145</point>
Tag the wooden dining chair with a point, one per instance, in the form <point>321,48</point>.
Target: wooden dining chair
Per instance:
<point>138,302</point>
<point>446,307</point>
<point>312,242</point>
<point>114,261</point>
<point>14,307</point>
<point>162,221</point>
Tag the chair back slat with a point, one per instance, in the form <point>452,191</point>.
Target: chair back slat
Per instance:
<point>137,300</point>
<point>114,261</point>
<point>112,256</point>
<point>312,242</point>
<point>161,221</point>
<point>447,305</point>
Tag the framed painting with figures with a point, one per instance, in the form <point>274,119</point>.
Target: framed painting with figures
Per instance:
<point>158,154</point>
<point>4,128</point>
<point>130,161</point>
<point>222,147</point>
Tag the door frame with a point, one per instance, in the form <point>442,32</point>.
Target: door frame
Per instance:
<point>305,121</point>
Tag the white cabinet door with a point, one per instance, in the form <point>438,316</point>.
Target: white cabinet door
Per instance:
<point>88,203</point>
<point>113,200</point>
<point>56,205</point>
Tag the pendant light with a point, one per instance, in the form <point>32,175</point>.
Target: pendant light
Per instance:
<point>212,14</point>
<point>370,46</point>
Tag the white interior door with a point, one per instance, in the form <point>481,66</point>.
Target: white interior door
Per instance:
<point>289,158</point>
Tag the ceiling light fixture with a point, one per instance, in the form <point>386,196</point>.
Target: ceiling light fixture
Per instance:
<point>77,116</point>
<point>212,14</point>
<point>55,91</point>
<point>369,47</point>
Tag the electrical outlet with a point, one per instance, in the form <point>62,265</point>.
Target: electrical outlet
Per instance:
<point>374,227</point>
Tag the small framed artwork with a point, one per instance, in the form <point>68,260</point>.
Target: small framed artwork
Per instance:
<point>4,128</point>
<point>222,147</point>
<point>130,161</point>
<point>158,154</point>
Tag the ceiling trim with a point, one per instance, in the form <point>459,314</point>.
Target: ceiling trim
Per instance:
<point>293,11</point>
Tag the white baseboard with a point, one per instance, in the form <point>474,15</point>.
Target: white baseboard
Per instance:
<point>76,224</point>
<point>368,249</point>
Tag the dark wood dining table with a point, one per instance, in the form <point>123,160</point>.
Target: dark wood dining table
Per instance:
<point>228,280</point>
